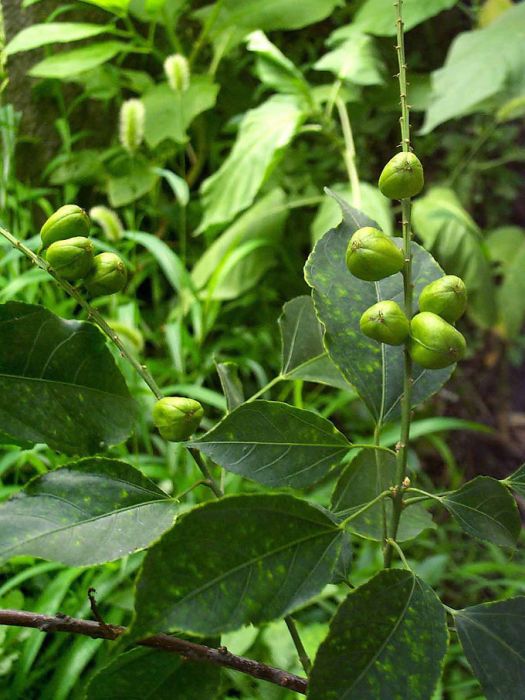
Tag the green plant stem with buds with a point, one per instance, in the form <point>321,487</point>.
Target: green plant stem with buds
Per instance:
<point>406,399</point>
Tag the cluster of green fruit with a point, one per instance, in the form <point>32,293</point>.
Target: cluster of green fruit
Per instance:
<point>371,255</point>
<point>70,253</point>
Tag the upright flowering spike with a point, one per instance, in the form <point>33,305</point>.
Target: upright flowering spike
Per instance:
<point>177,70</point>
<point>131,131</point>
<point>108,221</point>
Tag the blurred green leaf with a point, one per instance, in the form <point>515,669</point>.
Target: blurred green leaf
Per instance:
<point>485,509</point>
<point>354,58</point>
<point>69,63</point>
<point>374,17</point>
<point>274,444</point>
<point>448,231</point>
<point>492,636</point>
<point>274,69</point>
<point>234,561</point>
<point>53,32</point>
<point>85,513</point>
<point>263,135</point>
<point>516,481</point>
<point>388,639</point>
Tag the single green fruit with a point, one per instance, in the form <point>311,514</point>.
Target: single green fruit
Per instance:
<point>176,418</point>
<point>371,255</point>
<point>108,276</point>
<point>386,323</point>
<point>72,258</point>
<point>446,297</point>
<point>402,176</point>
<point>66,222</point>
<point>434,343</point>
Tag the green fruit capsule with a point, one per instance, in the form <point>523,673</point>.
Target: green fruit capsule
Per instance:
<point>176,417</point>
<point>108,276</point>
<point>386,323</point>
<point>67,222</point>
<point>371,255</point>
<point>434,343</point>
<point>72,259</point>
<point>402,176</point>
<point>446,297</point>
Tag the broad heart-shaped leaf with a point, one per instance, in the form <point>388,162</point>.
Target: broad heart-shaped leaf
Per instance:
<point>59,383</point>
<point>370,473</point>
<point>493,638</point>
<point>374,369</point>
<point>85,513</point>
<point>485,509</point>
<point>275,444</point>
<point>303,353</point>
<point>142,674</point>
<point>234,561</point>
<point>516,481</point>
<point>387,640</point>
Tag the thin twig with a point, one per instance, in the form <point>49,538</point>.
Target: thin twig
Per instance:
<point>208,478</point>
<point>188,650</point>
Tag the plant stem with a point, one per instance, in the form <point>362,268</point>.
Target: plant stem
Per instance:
<point>367,506</point>
<point>303,656</point>
<point>406,399</point>
<point>188,650</point>
<point>373,446</point>
<point>398,549</point>
<point>349,153</point>
<point>142,370</point>
<point>208,478</point>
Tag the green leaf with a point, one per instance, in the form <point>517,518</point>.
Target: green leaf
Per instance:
<point>354,59</point>
<point>263,135</point>
<point>231,384</point>
<point>85,513</point>
<point>274,444</point>
<point>224,274</point>
<point>234,561</point>
<point>387,640</point>
<point>365,478</point>
<point>69,63</point>
<point>59,383</point>
<point>143,674</point>
<point>450,233</point>
<point>374,369</point>
<point>485,509</point>
<point>53,32</point>
<point>118,7</point>
<point>460,88</point>
<point>178,185</point>
<point>302,350</point>
<point>516,481</point>
<point>375,18</point>
<point>136,180</point>
<point>492,636</point>
<point>373,204</point>
<point>274,69</point>
<point>506,247</point>
<point>169,114</point>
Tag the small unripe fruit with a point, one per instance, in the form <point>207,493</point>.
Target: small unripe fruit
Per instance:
<point>177,70</point>
<point>67,222</point>
<point>176,417</point>
<point>108,275</point>
<point>371,255</point>
<point>386,323</point>
<point>446,297</point>
<point>72,259</point>
<point>434,343</point>
<point>402,176</point>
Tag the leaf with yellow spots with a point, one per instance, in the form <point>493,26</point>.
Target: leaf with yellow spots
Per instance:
<point>387,640</point>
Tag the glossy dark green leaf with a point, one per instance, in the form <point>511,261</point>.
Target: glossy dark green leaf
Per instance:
<point>516,481</point>
<point>147,674</point>
<point>234,561</point>
<point>365,478</point>
<point>231,384</point>
<point>275,444</point>
<point>485,509</point>
<point>88,512</point>
<point>387,640</point>
<point>303,353</point>
<point>59,383</point>
<point>493,638</point>
<point>374,369</point>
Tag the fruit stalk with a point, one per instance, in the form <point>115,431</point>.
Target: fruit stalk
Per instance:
<point>406,205</point>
